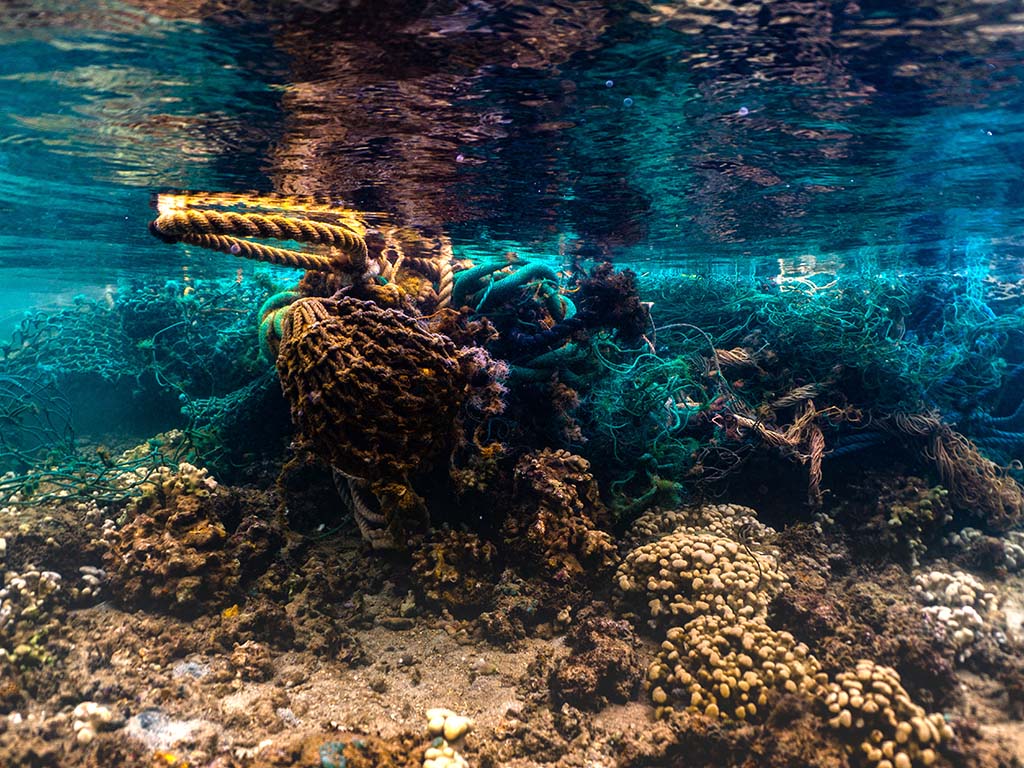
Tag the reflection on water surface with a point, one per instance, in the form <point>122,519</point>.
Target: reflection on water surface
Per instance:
<point>878,134</point>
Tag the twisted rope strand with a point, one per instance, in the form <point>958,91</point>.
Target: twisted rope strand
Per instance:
<point>208,228</point>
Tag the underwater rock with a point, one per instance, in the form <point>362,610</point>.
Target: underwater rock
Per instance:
<point>604,666</point>
<point>158,731</point>
<point>252,661</point>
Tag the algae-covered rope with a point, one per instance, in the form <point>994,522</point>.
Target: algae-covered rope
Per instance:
<point>223,230</point>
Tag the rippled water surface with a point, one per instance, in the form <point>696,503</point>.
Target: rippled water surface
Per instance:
<point>684,135</point>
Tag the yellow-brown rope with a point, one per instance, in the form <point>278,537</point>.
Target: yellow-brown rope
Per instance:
<point>247,249</point>
<point>447,277</point>
<point>215,229</point>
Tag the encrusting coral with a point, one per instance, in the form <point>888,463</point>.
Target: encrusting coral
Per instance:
<point>456,569</point>
<point>558,515</point>
<point>604,665</point>
<point>175,552</point>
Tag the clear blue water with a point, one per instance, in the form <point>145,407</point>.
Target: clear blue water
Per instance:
<point>697,136</point>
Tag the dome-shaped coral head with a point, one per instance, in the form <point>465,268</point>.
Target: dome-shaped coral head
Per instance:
<point>375,392</point>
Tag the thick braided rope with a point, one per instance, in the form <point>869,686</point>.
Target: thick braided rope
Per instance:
<point>446,278</point>
<point>350,248</point>
<point>447,284</point>
<point>247,249</point>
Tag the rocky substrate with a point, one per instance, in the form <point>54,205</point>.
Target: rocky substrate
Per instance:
<point>200,627</point>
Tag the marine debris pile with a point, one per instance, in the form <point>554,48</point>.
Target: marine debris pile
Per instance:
<point>405,482</point>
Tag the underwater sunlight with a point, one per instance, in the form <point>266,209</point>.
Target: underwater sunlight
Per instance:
<point>512,384</point>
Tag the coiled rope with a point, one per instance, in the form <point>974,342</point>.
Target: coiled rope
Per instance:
<point>224,231</point>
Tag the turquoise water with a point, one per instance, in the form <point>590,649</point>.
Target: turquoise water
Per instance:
<point>871,136</point>
<point>779,141</point>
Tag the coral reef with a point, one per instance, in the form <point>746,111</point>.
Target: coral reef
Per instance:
<point>457,570</point>
<point>686,573</point>
<point>960,607</point>
<point>871,709</point>
<point>558,516</point>
<point>895,516</point>
<point>974,549</point>
<point>721,658</point>
<point>175,552</point>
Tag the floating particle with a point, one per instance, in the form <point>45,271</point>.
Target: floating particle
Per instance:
<point>627,102</point>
